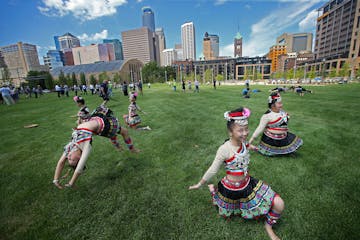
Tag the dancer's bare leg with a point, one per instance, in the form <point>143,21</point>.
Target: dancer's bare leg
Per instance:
<point>278,208</point>
<point>125,134</point>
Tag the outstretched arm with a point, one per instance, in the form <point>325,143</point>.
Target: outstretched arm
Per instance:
<point>58,170</point>
<point>81,164</point>
<point>213,169</point>
<point>263,122</point>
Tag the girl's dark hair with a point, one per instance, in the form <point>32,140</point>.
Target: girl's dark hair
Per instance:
<point>230,124</point>
<point>273,101</point>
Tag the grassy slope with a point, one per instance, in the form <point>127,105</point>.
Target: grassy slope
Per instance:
<point>145,196</point>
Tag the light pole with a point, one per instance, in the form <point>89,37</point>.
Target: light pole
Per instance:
<point>165,76</point>
<point>226,71</point>
<point>141,79</point>
<point>212,74</point>
<point>353,64</point>
<point>195,72</point>
<point>295,66</point>
<point>305,72</point>
<point>180,73</point>
<point>323,68</point>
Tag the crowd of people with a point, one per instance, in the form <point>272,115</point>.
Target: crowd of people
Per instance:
<point>11,94</point>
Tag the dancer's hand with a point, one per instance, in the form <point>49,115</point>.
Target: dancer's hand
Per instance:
<point>253,148</point>
<point>194,187</point>
<point>68,185</point>
<point>58,185</point>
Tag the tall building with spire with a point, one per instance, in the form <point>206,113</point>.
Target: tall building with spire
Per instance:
<point>148,19</point>
<point>238,45</point>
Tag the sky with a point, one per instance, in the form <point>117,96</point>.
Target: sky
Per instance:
<point>258,21</point>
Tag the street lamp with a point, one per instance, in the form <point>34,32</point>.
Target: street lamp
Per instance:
<point>323,68</point>
<point>295,66</point>
<point>353,64</point>
<point>165,76</point>
<point>195,70</point>
<point>212,74</point>
<point>226,71</point>
<point>141,79</point>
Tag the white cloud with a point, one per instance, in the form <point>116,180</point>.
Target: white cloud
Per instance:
<point>139,1</point>
<point>81,9</point>
<point>227,50</point>
<point>94,37</point>
<point>264,32</point>
<point>220,2</point>
<point>247,6</point>
<point>309,22</point>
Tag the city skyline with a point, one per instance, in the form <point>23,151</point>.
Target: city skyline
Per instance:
<point>259,22</point>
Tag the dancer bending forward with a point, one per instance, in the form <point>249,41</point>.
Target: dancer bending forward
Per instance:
<point>238,193</point>
<point>77,151</point>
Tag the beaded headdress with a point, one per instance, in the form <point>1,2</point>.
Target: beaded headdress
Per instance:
<point>273,98</point>
<point>240,118</point>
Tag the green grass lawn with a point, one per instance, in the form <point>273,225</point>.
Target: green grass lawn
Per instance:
<point>146,196</point>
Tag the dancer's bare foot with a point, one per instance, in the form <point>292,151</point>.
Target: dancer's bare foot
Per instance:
<point>270,232</point>
<point>135,150</point>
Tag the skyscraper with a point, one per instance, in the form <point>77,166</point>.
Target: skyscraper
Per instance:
<point>337,30</point>
<point>211,46</point>
<point>274,53</point>
<point>162,43</point>
<point>139,43</point>
<point>188,41</point>
<point>20,58</point>
<point>54,59</point>
<point>179,52</point>
<point>57,44</point>
<point>169,56</point>
<point>102,52</point>
<point>296,42</point>
<point>66,41</point>
<point>238,45</point>
<point>117,47</point>
<point>148,19</point>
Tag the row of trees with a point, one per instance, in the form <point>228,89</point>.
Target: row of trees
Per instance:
<point>45,79</point>
<point>301,73</point>
<point>71,80</point>
<point>151,72</point>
